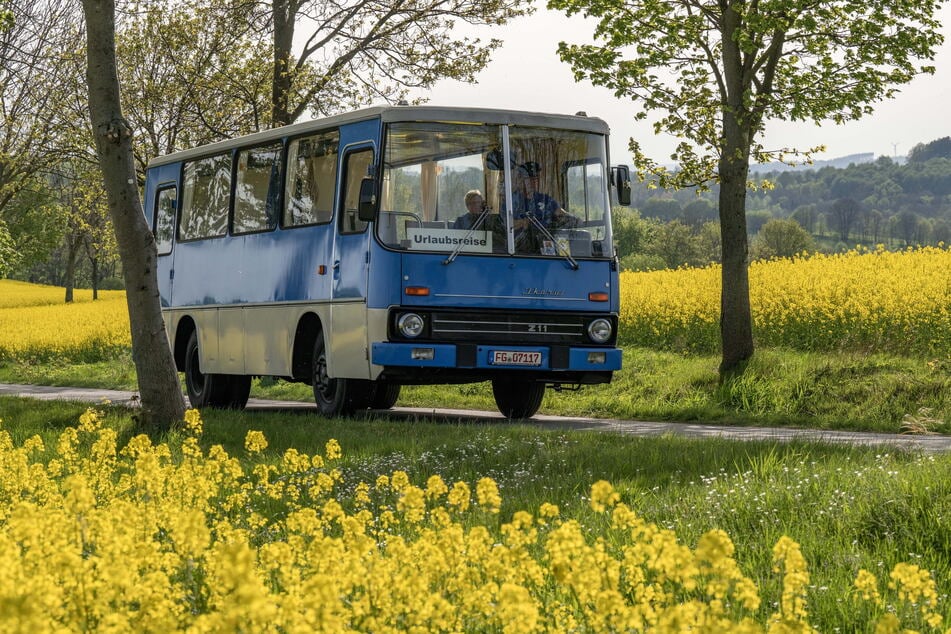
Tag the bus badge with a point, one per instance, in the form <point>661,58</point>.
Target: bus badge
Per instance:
<point>542,292</point>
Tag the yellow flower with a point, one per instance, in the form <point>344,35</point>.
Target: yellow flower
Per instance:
<point>518,611</point>
<point>867,585</point>
<point>193,423</point>
<point>603,496</point>
<point>548,511</point>
<point>332,450</point>
<point>361,494</point>
<point>412,504</point>
<point>436,487</point>
<point>89,420</point>
<point>255,442</point>
<point>459,496</point>
<point>487,493</point>
<point>399,481</point>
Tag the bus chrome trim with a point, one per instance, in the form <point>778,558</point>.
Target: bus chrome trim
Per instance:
<point>283,304</point>
<point>547,299</point>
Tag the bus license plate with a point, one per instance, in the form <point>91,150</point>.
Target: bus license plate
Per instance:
<point>515,357</point>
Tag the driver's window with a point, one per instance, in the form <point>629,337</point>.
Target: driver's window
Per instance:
<point>357,167</point>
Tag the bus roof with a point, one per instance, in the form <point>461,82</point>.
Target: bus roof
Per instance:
<point>389,114</point>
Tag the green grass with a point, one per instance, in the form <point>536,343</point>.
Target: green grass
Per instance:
<point>849,508</point>
<point>871,392</point>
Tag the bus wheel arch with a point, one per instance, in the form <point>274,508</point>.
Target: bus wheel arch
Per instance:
<point>308,327</point>
<point>221,391</point>
<point>182,335</point>
<point>337,396</point>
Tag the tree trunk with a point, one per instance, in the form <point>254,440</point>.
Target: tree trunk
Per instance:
<point>72,250</point>
<point>736,321</point>
<point>94,273</point>
<point>162,403</point>
<point>282,15</point>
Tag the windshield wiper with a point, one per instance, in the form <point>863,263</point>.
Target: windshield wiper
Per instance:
<point>475,225</point>
<point>538,225</point>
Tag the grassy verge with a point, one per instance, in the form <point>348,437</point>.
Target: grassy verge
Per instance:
<point>872,392</point>
<point>848,508</point>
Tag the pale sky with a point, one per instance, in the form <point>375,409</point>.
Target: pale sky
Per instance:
<point>526,74</point>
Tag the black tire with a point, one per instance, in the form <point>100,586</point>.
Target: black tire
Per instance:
<point>337,397</point>
<point>221,391</point>
<point>385,395</point>
<point>518,399</point>
<point>239,392</point>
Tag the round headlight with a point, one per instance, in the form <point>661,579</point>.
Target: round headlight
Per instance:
<point>599,330</point>
<point>410,325</point>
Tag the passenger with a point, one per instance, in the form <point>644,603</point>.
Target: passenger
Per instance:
<point>475,204</point>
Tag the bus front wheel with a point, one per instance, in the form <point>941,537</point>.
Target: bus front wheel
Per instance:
<point>337,396</point>
<point>221,391</point>
<point>385,395</point>
<point>518,399</point>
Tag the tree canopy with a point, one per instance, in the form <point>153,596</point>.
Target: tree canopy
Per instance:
<point>358,51</point>
<point>696,61</point>
<point>717,72</point>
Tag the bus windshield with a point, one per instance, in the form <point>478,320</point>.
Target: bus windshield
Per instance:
<point>446,188</point>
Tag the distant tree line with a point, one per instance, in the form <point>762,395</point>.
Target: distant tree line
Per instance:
<point>897,204</point>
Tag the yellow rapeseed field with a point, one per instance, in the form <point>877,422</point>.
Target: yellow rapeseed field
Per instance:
<point>14,294</point>
<point>865,300</point>
<point>153,538</point>
<point>860,300</point>
<point>36,325</point>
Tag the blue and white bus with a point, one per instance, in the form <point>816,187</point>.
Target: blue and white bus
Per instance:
<point>329,252</point>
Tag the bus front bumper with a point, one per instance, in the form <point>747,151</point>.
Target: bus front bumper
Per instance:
<point>553,359</point>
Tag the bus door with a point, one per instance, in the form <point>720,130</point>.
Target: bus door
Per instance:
<point>161,210</point>
<point>349,357</point>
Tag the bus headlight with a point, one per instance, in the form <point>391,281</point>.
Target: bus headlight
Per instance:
<point>599,330</point>
<point>410,325</point>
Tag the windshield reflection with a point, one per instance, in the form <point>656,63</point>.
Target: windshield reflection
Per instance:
<point>445,190</point>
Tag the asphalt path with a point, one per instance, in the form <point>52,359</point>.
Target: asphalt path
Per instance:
<point>923,443</point>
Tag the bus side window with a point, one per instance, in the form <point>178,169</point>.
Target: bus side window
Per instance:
<point>311,178</point>
<point>256,193</point>
<point>166,204</point>
<point>206,197</point>
<point>358,165</point>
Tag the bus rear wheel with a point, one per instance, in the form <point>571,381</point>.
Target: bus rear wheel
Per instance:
<point>337,396</point>
<point>518,399</point>
<point>220,391</point>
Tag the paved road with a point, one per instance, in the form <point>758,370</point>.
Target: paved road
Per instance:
<point>926,443</point>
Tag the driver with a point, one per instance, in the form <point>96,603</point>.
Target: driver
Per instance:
<point>527,199</point>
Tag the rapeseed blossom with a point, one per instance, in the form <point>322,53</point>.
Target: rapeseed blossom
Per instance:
<point>255,442</point>
<point>80,331</point>
<point>862,299</point>
<point>146,538</point>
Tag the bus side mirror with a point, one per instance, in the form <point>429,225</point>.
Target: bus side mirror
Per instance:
<point>621,179</point>
<point>366,208</point>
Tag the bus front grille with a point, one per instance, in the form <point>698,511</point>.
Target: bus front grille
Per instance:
<point>524,328</point>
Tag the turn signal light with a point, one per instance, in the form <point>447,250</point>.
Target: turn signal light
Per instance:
<point>418,291</point>
<point>598,296</point>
